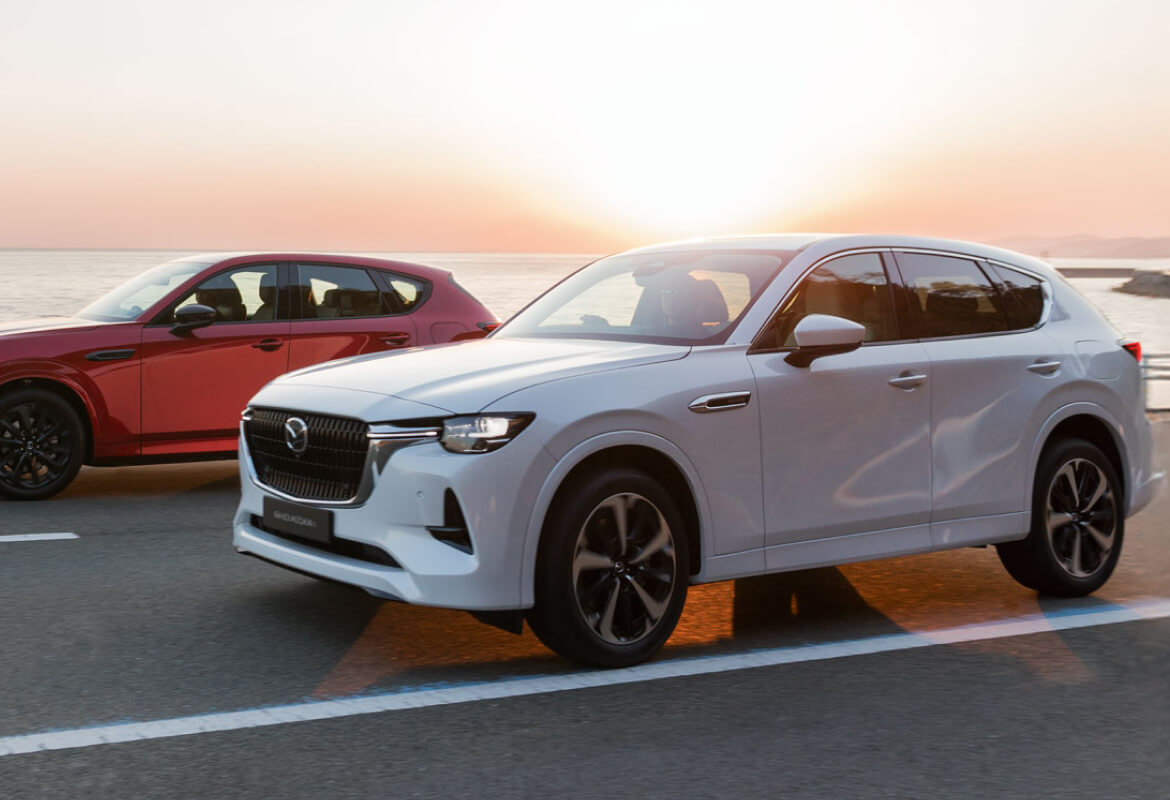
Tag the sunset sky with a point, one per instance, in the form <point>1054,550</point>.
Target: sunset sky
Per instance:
<point>579,127</point>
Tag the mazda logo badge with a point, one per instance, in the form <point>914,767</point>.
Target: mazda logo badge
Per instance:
<point>296,434</point>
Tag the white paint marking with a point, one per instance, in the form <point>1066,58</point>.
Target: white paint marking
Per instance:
<point>519,687</point>
<point>37,537</point>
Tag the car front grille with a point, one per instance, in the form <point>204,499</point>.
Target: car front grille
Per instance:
<point>330,466</point>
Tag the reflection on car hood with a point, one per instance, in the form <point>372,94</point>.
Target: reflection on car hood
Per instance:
<point>47,324</point>
<point>469,376</point>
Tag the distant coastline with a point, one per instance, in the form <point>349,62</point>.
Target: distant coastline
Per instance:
<point>1085,246</point>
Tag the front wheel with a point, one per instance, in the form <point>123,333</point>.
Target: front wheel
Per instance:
<point>42,444</point>
<point>1078,521</point>
<point>612,572</point>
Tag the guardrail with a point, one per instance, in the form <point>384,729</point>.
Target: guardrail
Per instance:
<point>1156,367</point>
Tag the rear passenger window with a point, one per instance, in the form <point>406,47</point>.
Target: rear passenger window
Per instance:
<point>332,292</point>
<point>951,295</point>
<point>1024,296</point>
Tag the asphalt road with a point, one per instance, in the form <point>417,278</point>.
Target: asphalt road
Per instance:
<point>150,616</point>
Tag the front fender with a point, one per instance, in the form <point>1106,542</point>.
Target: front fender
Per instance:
<point>76,381</point>
<point>577,454</point>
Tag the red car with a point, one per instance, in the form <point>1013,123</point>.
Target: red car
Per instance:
<point>159,369</point>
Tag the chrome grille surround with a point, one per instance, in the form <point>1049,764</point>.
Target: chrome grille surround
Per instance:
<point>340,465</point>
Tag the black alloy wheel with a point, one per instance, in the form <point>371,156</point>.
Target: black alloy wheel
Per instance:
<point>42,444</point>
<point>1078,523</point>
<point>624,568</point>
<point>612,570</point>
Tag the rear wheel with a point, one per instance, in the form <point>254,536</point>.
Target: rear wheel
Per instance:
<point>612,572</point>
<point>42,444</point>
<point>1078,523</point>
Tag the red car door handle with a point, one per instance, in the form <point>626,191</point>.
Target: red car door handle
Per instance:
<point>269,344</point>
<point>396,338</point>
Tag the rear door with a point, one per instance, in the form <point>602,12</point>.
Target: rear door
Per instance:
<point>991,366</point>
<point>195,385</point>
<point>342,311</point>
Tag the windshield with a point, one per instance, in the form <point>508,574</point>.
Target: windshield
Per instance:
<point>129,300</point>
<point>666,298</point>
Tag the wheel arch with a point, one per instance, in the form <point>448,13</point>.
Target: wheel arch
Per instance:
<point>653,454</point>
<point>67,392</point>
<point>1092,423</point>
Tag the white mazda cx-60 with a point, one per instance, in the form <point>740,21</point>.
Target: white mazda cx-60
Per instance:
<point>709,410</point>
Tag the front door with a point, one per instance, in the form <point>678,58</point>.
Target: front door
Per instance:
<point>845,450</point>
<point>194,386</point>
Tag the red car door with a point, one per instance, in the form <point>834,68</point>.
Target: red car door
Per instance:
<point>343,312</point>
<point>195,385</point>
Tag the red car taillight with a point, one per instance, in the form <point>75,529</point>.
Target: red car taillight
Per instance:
<point>1134,349</point>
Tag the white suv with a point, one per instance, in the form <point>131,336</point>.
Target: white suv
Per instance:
<point>708,410</point>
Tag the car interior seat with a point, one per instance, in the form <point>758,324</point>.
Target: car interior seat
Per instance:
<point>824,297</point>
<point>227,302</point>
<point>710,307</point>
<point>950,312</point>
<point>267,309</point>
<point>876,313</point>
<point>329,306</point>
<point>679,301</point>
<point>343,302</point>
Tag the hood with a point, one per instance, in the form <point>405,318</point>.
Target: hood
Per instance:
<point>41,324</point>
<point>468,376</point>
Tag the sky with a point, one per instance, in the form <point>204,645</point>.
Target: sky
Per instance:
<point>576,126</point>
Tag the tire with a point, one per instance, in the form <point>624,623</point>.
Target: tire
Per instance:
<point>42,444</point>
<point>601,603</point>
<point>1078,523</point>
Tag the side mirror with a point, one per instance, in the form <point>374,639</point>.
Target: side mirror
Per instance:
<point>820,335</point>
<point>188,318</point>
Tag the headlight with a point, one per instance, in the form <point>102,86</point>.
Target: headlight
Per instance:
<point>482,433</point>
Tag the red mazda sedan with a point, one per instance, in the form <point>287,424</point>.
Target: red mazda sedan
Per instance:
<point>159,369</point>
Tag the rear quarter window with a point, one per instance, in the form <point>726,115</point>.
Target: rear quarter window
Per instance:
<point>1023,296</point>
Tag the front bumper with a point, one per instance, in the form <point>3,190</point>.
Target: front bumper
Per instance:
<point>495,490</point>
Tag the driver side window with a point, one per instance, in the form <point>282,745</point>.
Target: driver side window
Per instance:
<point>853,287</point>
<point>244,294</point>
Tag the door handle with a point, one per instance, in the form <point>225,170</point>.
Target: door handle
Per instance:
<point>720,402</point>
<point>269,344</point>
<point>907,381</point>
<point>395,338</point>
<point>1044,367</point>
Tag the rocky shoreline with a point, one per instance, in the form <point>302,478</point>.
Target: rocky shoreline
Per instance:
<point>1147,284</point>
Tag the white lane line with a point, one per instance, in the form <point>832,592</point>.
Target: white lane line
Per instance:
<point>519,687</point>
<point>37,537</point>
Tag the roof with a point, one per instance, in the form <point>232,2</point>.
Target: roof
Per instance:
<point>433,273</point>
<point>831,242</point>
